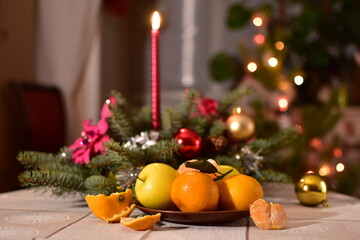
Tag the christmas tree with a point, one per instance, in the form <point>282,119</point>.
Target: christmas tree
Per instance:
<point>300,57</point>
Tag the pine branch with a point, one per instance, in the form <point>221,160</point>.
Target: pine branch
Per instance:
<point>32,159</point>
<point>98,184</point>
<point>61,183</point>
<point>142,121</point>
<point>269,175</point>
<point>231,99</point>
<point>49,162</point>
<point>199,125</point>
<point>126,157</point>
<point>171,123</point>
<point>275,142</point>
<point>217,128</point>
<point>163,151</point>
<point>187,106</point>
<point>120,123</point>
<point>229,160</point>
<point>100,164</point>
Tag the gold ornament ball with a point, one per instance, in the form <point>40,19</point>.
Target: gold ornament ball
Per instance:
<point>311,190</point>
<point>240,127</point>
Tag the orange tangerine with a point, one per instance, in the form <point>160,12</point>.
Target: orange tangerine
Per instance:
<point>141,223</point>
<point>238,192</point>
<point>267,216</point>
<point>108,207</point>
<point>195,192</point>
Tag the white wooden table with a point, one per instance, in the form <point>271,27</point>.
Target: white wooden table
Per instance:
<point>26,214</point>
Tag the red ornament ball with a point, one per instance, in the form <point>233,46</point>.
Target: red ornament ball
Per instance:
<point>191,143</point>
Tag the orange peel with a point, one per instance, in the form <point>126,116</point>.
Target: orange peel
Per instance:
<point>268,216</point>
<point>141,223</point>
<point>108,208</point>
<point>124,213</point>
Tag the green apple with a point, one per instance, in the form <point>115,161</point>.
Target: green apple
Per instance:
<point>153,186</point>
<point>225,168</point>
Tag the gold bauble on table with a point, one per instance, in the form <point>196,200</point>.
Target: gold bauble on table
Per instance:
<point>311,190</point>
<point>240,127</point>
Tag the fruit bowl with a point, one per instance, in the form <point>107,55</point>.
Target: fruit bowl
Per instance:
<point>196,218</point>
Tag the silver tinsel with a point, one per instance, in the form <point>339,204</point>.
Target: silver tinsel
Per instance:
<point>250,160</point>
<point>125,178</point>
<point>143,141</point>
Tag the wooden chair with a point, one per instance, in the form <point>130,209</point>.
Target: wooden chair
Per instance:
<point>38,116</point>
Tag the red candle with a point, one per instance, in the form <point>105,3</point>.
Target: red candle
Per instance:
<point>155,73</point>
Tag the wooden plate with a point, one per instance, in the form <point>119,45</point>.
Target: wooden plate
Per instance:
<point>196,218</point>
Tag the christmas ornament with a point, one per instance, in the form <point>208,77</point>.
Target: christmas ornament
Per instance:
<point>311,190</point>
<point>249,160</point>
<point>143,141</point>
<point>190,141</point>
<point>220,143</point>
<point>126,177</point>
<point>240,127</point>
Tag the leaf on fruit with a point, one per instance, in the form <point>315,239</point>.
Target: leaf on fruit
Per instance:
<point>202,165</point>
<point>222,175</point>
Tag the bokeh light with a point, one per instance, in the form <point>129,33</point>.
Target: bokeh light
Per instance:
<point>298,80</point>
<point>337,152</point>
<point>316,143</point>
<point>273,62</point>
<point>279,45</point>
<point>324,170</point>
<point>259,39</point>
<point>283,104</point>
<point>340,167</point>
<point>252,67</point>
<point>257,21</point>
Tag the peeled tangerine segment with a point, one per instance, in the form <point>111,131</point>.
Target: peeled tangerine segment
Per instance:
<point>268,216</point>
<point>141,223</point>
<point>111,208</point>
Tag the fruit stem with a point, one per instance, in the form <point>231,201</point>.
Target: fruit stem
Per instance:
<point>222,175</point>
<point>139,179</point>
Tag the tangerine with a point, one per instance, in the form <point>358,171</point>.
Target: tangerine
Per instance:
<point>107,207</point>
<point>267,216</point>
<point>238,192</point>
<point>194,191</point>
<point>141,223</point>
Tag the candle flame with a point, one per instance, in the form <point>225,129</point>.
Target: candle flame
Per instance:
<point>155,20</point>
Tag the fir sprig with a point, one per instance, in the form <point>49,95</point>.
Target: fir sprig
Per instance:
<point>217,128</point>
<point>124,156</point>
<point>279,140</point>
<point>98,184</point>
<point>269,175</point>
<point>231,99</point>
<point>61,183</point>
<point>32,159</point>
<point>120,123</point>
<point>100,164</point>
<point>171,123</point>
<point>187,106</point>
